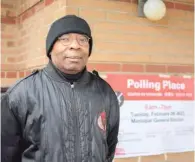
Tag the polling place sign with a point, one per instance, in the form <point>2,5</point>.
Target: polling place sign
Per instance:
<point>156,114</point>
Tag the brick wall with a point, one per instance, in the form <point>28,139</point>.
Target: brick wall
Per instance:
<point>123,42</point>
<point>127,43</point>
<point>20,41</point>
<point>8,40</point>
<point>23,5</point>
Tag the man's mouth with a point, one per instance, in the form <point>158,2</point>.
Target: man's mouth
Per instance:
<point>73,58</point>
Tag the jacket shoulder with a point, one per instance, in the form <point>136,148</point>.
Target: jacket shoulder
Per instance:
<point>97,77</point>
<point>20,82</point>
<point>102,83</point>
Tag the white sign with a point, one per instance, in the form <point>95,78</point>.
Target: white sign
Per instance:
<point>156,114</point>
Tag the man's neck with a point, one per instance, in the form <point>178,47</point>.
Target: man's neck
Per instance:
<point>69,77</point>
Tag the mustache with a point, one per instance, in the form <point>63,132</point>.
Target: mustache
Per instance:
<point>73,55</point>
<point>63,53</point>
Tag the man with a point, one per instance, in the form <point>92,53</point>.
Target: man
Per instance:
<point>62,113</point>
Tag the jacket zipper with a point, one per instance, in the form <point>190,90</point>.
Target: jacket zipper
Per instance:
<point>76,128</point>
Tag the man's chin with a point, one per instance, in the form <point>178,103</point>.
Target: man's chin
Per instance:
<point>73,69</point>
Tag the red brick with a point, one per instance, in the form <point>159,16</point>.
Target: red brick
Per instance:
<point>19,58</point>
<point>11,59</point>
<point>153,158</point>
<point>104,67</point>
<point>3,44</point>
<point>180,69</point>
<point>3,27</point>
<point>18,20</point>
<point>91,66</point>
<point>7,36</point>
<point>6,67</point>
<point>132,159</point>
<point>8,20</point>
<point>132,68</point>
<point>24,16</point>
<point>134,1</point>
<point>28,13</point>
<point>169,4</point>
<point>9,13</point>
<point>10,44</point>
<point>39,6</point>
<point>156,68</point>
<point>21,74</point>
<point>181,157</point>
<point>125,1</point>
<point>11,74</point>
<point>6,5</point>
<point>2,74</point>
<point>184,7</point>
<point>48,2</point>
<point>28,73</point>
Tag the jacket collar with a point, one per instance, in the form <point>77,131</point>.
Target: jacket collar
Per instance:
<point>53,74</point>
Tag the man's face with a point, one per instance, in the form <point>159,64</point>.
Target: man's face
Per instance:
<point>70,53</point>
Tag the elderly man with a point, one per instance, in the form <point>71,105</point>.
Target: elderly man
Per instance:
<point>61,113</point>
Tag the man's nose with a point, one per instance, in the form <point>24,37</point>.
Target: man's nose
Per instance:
<point>74,44</point>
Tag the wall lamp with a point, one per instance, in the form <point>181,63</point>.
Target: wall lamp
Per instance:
<point>153,10</point>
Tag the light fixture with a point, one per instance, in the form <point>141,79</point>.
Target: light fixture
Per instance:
<point>152,9</point>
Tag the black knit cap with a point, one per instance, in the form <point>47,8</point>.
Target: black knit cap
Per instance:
<point>65,25</point>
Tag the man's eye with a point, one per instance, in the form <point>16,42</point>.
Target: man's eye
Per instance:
<point>65,39</point>
<point>83,39</point>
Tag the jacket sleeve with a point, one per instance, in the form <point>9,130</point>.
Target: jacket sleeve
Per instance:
<point>10,132</point>
<point>113,121</point>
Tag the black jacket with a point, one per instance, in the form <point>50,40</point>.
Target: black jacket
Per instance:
<point>45,119</point>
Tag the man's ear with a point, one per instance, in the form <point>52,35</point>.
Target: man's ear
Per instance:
<point>49,56</point>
